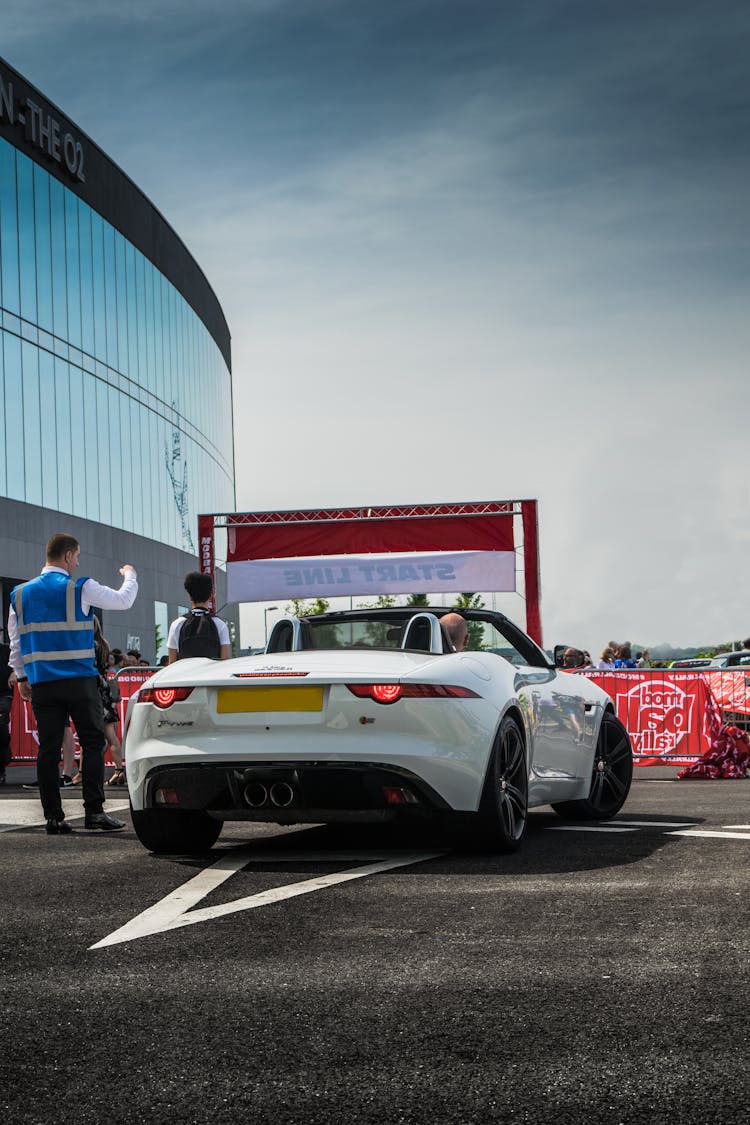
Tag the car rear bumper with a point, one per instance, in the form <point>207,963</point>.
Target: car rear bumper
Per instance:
<point>292,792</point>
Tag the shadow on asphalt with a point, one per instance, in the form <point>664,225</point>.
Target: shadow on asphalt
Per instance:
<point>545,850</point>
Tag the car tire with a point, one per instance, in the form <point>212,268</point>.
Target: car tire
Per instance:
<point>499,824</point>
<point>611,776</point>
<point>176,831</point>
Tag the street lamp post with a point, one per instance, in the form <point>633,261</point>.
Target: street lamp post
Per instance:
<point>266,612</point>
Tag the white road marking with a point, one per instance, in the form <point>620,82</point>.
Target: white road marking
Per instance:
<point>586,828</point>
<point>656,823</point>
<point>710,835</point>
<point>27,812</point>
<point>172,912</point>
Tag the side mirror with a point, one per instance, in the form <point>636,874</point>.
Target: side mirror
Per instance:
<point>579,660</point>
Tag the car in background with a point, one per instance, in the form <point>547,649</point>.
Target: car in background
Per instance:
<point>692,662</point>
<point>739,659</point>
<point>366,716</point>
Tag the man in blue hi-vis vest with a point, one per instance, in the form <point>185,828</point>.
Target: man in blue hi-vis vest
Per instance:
<point>51,633</point>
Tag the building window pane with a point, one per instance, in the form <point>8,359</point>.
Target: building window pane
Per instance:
<point>72,270</point>
<point>51,432</point>
<point>77,443</point>
<point>26,240</point>
<point>64,452</point>
<point>88,309</point>
<point>110,295</point>
<point>97,269</point>
<point>9,228</point>
<point>161,630</point>
<point>119,303</point>
<point>32,425</point>
<point>110,454</point>
<point>13,416</point>
<point>59,260</point>
<point>43,249</point>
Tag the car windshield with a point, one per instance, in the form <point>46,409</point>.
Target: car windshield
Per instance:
<point>490,634</point>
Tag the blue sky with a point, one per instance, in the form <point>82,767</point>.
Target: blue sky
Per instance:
<point>512,235</point>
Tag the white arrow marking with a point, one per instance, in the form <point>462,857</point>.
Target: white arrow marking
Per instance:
<point>713,835</point>
<point>172,912</point>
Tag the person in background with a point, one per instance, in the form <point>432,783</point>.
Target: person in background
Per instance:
<point>606,661</point>
<point>457,629</point>
<point>6,701</point>
<point>198,633</point>
<point>109,709</point>
<point>51,631</point>
<point>643,659</point>
<point>573,658</point>
<point>625,657</point>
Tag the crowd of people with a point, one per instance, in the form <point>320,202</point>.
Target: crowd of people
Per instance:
<point>614,656</point>
<point>59,662</point>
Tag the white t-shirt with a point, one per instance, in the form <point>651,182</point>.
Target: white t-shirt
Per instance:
<point>173,640</point>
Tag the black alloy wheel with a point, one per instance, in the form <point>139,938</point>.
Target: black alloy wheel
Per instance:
<point>503,809</point>
<point>611,776</point>
<point>176,831</point>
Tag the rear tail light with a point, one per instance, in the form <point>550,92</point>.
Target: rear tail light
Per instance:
<point>399,795</point>
<point>163,697</point>
<point>391,693</point>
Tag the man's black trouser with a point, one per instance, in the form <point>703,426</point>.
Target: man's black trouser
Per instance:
<point>53,701</point>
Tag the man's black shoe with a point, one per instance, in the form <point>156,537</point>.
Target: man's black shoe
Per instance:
<point>66,781</point>
<point>103,821</point>
<point>58,827</point>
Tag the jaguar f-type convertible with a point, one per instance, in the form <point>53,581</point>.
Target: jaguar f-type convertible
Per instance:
<point>372,715</point>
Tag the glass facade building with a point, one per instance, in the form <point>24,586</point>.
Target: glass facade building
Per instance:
<point>115,376</point>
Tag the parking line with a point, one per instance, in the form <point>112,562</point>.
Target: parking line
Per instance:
<point>657,823</point>
<point>171,912</point>
<point>708,835</point>
<point>587,828</point>
<point>26,812</point>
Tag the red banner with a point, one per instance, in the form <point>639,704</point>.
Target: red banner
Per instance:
<point>24,740</point>
<point>731,689</point>
<point>371,536</point>
<point>207,552</point>
<point>672,718</point>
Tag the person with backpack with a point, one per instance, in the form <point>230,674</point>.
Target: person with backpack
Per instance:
<point>198,633</point>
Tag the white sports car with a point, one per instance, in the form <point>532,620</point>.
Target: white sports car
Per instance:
<point>366,715</point>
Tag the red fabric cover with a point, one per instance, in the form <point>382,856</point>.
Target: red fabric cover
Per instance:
<point>728,757</point>
<point>370,536</point>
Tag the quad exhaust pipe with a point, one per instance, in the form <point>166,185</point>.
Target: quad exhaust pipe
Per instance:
<point>257,795</point>
<point>281,794</point>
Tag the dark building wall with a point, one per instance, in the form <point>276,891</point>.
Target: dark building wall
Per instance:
<point>161,570</point>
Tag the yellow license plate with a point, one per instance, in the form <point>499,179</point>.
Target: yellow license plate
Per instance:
<point>232,701</point>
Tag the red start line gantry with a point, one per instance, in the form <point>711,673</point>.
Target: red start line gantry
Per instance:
<point>487,546</point>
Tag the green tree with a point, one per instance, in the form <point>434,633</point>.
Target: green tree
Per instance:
<point>383,601</point>
<point>418,601</point>
<point>301,608</point>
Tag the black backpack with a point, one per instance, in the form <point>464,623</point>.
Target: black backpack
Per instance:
<point>199,636</point>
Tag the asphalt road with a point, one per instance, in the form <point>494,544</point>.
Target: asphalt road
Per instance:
<point>596,976</point>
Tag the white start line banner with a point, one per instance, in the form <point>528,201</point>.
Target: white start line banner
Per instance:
<point>344,575</point>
